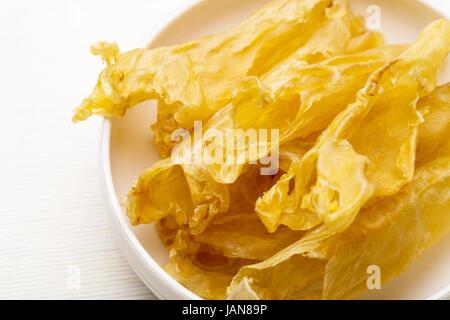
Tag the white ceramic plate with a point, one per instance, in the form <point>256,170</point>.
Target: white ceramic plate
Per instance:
<point>127,148</point>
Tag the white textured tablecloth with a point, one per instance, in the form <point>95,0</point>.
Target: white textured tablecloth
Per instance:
<point>55,241</point>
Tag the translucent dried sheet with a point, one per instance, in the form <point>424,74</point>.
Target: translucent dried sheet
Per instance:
<point>200,267</point>
<point>195,79</point>
<point>368,150</point>
<point>207,255</point>
<point>158,193</point>
<point>434,132</point>
<point>244,236</point>
<point>390,233</point>
<point>340,270</point>
<point>392,242</point>
<point>309,96</point>
<point>190,196</point>
<point>206,284</point>
<point>210,197</point>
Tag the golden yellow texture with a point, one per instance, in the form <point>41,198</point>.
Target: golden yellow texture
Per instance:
<point>368,150</point>
<point>189,87</point>
<point>363,144</point>
<point>390,232</point>
<point>336,79</point>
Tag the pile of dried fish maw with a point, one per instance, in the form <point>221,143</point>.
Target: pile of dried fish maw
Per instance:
<point>364,151</point>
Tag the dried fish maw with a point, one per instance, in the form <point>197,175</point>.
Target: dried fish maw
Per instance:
<point>206,284</point>
<point>195,79</point>
<point>299,101</point>
<point>187,193</point>
<point>390,233</point>
<point>434,133</point>
<point>244,236</point>
<point>159,192</point>
<point>374,139</point>
<point>188,196</point>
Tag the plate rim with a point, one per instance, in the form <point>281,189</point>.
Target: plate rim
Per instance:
<point>156,278</point>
